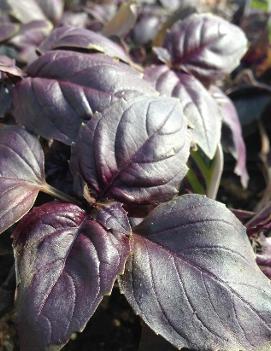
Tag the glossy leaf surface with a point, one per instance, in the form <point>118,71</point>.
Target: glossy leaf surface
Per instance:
<point>21,174</point>
<point>193,278</point>
<point>66,261</point>
<point>66,88</point>
<point>66,37</point>
<point>206,45</point>
<point>200,108</point>
<point>135,151</point>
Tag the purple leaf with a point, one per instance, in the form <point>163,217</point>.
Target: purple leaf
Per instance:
<point>8,30</point>
<point>260,222</point>
<point>135,151</point>
<point>25,10</point>
<point>8,65</point>
<point>21,174</point>
<point>80,38</point>
<point>53,9</point>
<point>192,277</point>
<point>200,108</point>
<point>264,256</point>
<point>66,88</point>
<point>235,143</point>
<point>146,29</point>
<point>31,10</point>
<point>29,38</point>
<point>66,262</point>
<point>206,45</point>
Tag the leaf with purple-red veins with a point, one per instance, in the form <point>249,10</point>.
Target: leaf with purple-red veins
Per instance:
<point>65,88</point>
<point>135,151</point>
<point>200,109</point>
<point>193,278</point>
<point>21,174</point>
<point>66,261</point>
<point>72,38</point>
<point>206,46</point>
<point>232,138</point>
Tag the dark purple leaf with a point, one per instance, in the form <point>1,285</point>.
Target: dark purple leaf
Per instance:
<point>7,30</point>
<point>206,45</point>
<point>21,174</point>
<point>264,256</point>
<point>66,262</point>
<point>80,38</point>
<point>200,108</point>
<point>135,151</point>
<point>260,222</point>
<point>235,143</point>
<point>192,277</point>
<point>66,88</point>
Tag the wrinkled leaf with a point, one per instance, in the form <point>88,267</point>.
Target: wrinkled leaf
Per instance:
<point>21,174</point>
<point>66,261</point>
<point>80,38</point>
<point>200,108</point>
<point>66,88</point>
<point>232,136</point>
<point>192,277</point>
<point>135,151</point>
<point>206,45</point>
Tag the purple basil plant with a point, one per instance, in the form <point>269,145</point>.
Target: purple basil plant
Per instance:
<point>122,136</point>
